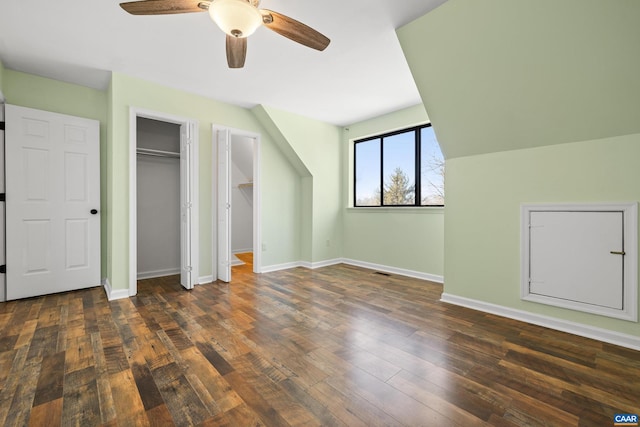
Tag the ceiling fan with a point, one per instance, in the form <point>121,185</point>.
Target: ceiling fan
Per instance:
<point>238,19</point>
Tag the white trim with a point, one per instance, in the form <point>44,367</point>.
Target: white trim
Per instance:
<point>605,335</point>
<point>395,270</point>
<point>368,265</point>
<point>2,98</point>
<point>320,264</point>
<point>278,267</point>
<point>630,280</point>
<point>114,294</point>
<point>303,264</point>
<point>257,199</point>
<point>236,262</point>
<point>241,251</point>
<point>397,209</point>
<point>158,273</point>
<point>205,279</point>
<point>134,113</point>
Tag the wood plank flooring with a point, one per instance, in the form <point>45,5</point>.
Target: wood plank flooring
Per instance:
<point>336,346</point>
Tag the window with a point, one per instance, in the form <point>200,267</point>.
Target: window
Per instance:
<point>403,168</point>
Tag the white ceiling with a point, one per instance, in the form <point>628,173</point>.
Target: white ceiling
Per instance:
<point>362,74</point>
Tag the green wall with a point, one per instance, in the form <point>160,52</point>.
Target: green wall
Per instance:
<point>484,193</point>
<point>499,75</point>
<point>31,91</point>
<point>317,145</point>
<point>281,186</point>
<point>532,101</point>
<point>407,238</point>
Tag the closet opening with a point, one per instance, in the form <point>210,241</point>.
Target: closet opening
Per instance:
<point>242,204</point>
<point>238,203</point>
<point>163,189</point>
<point>158,198</point>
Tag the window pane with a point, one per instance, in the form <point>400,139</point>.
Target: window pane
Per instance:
<point>431,169</point>
<point>399,166</point>
<point>367,180</point>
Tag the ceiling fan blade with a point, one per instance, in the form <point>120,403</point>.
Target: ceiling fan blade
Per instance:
<point>163,7</point>
<point>294,30</point>
<point>236,51</point>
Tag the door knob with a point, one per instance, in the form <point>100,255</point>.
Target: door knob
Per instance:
<point>94,211</point>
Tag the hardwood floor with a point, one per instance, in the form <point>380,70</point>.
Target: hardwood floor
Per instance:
<point>244,269</point>
<point>337,346</point>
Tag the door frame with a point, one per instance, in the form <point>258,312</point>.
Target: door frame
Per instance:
<point>257,200</point>
<point>193,173</point>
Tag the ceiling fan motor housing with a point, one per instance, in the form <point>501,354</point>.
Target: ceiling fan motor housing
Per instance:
<point>237,18</point>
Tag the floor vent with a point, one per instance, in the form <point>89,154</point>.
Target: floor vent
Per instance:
<point>382,274</point>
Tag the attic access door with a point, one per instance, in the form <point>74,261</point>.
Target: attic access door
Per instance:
<point>581,257</point>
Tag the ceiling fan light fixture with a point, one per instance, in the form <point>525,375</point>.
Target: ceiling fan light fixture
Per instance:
<point>238,18</point>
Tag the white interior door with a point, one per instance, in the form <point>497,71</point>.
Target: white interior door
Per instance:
<point>224,205</point>
<point>3,290</point>
<point>53,202</point>
<point>186,270</point>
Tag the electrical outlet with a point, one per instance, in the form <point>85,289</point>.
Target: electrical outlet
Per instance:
<point>264,247</point>
<point>328,243</point>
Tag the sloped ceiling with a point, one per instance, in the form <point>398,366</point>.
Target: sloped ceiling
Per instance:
<point>498,75</point>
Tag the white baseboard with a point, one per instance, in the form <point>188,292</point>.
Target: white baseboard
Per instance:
<point>241,251</point>
<point>158,273</point>
<point>205,279</point>
<point>320,264</point>
<point>611,337</point>
<point>235,262</point>
<point>278,267</point>
<point>395,270</point>
<point>305,264</point>
<point>114,294</point>
<point>363,264</point>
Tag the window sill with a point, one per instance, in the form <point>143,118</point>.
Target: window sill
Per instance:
<point>397,209</point>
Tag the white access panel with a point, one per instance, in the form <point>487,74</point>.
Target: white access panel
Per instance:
<point>581,257</point>
<point>571,256</point>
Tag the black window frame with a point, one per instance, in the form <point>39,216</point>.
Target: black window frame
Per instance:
<point>417,170</point>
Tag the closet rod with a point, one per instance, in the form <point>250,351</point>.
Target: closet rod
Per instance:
<point>157,153</point>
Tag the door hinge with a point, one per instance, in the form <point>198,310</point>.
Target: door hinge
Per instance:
<point>3,197</point>
<point>3,269</point>
<point>2,126</point>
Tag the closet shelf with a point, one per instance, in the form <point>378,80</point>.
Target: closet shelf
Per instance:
<point>157,153</point>
<point>245,185</point>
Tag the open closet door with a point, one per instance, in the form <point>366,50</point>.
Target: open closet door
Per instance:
<point>186,206</point>
<point>224,205</point>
